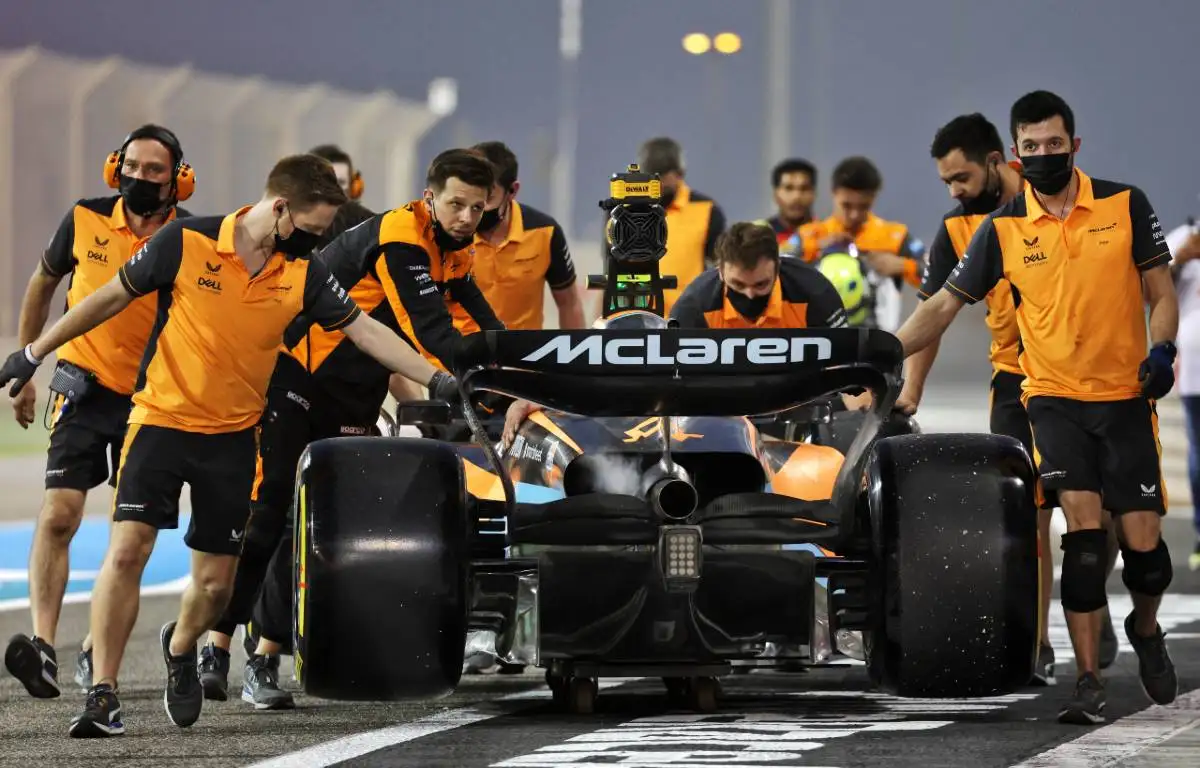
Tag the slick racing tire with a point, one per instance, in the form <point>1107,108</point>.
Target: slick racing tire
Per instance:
<point>381,573</point>
<point>954,564</point>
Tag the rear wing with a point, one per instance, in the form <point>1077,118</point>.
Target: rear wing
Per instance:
<point>681,372</point>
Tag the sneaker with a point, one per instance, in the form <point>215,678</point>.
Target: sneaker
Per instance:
<point>1154,663</point>
<point>214,672</point>
<point>101,715</point>
<point>1109,647</point>
<point>184,696</point>
<point>1043,670</point>
<point>1086,706</point>
<point>260,685</point>
<point>83,670</point>
<point>32,661</point>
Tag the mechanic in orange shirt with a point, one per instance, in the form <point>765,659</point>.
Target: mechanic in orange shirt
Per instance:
<point>970,161</point>
<point>518,251</point>
<point>405,268</point>
<point>228,287</point>
<point>892,255</point>
<point>96,237</point>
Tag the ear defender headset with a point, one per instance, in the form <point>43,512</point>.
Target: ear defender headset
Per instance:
<point>185,178</point>
<point>357,185</point>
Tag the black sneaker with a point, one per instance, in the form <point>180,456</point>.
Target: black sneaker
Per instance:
<point>184,696</point>
<point>1109,647</point>
<point>1154,663</point>
<point>260,685</point>
<point>1043,670</point>
<point>32,661</point>
<point>83,670</point>
<point>214,672</point>
<point>101,715</point>
<point>1086,706</point>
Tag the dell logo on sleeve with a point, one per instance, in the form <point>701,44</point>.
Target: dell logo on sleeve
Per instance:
<point>597,350</point>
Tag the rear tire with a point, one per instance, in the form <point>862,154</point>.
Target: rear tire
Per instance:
<point>955,565</point>
<point>381,571</point>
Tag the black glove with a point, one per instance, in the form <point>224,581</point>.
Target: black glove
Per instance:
<point>19,369</point>
<point>1157,371</point>
<point>443,386</point>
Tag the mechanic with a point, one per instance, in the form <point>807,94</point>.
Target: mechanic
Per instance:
<point>95,237</point>
<point>351,181</point>
<point>233,283</point>
<point>892,255</point>
<point>795,184</point>
<point>751,287</point>
<point>519,249</point>
<point>694,220</point>
<point>404,268</point>
<point>1077,252</point>
<point>1184,242</point>
<point>970,161</point>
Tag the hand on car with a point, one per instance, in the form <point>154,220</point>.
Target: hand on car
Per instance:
<point>517,413</point>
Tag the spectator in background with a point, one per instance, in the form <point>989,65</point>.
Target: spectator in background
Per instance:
<point>694,220</point>
<point>795,183</point>
<point>1184,242</point>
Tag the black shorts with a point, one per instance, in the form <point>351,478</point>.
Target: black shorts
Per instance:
<point>1007,412</point>
<point>157,461</point>
<point>1110,448</point>
<point>86,439</point>
<point>297,413</point>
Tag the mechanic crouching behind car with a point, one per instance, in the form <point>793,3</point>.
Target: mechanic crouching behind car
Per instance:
<point>750,287</point>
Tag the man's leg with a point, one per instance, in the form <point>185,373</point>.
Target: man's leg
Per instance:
<point>285,434</point>
<point>273,623</point>
<point>221,472</point>
<point>1191,412</point>
<point>148,487</point>
<point>1068,463</point>
<point>76,461</point>
<point>1133,489</point>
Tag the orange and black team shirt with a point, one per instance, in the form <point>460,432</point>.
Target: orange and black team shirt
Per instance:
<point>219,328</point>
<point>801,298</point>
<point>876,235</point>
<point>512,273</point>
<point>947,249</point>
<point>397,274</point>
<point>91,243</point>
<point>1076,285</point>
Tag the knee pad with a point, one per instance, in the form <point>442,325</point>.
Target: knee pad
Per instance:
<point>1085,561</point>
<point>1147,573</point>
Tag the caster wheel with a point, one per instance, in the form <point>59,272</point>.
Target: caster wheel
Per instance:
<point>510,669</point>
<point>581,696</point>
<point>677,689</point>
<point>702,694</point>
<point>558,687</point>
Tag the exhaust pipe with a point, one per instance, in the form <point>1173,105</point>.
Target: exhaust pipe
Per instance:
<point>670,492</point>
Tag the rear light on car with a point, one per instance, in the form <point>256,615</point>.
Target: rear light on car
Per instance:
<point>679,548</point>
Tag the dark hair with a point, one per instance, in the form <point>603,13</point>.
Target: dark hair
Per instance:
<point>164,136</point>
<point>973,134</point>
<point>305,180</point>
<point>793,165</point>
<point>745,244</point>
<point>503,159</point>
<point>661,155</point>
<point>333,153</point>
<point>471,167</point>
<point>1037,107</point>
<point>857,173</point>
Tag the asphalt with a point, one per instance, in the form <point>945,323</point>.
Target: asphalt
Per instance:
<point>819,718</point>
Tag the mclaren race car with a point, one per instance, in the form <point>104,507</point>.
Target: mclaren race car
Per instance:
<point>643,525</point>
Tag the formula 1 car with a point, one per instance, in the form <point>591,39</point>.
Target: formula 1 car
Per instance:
<point>642,525</point>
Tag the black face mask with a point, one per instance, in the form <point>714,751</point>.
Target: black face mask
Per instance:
<point>142,197</point>
<point>988,199</point>
<point>300,243</point>
<point>444,239</point>
<point>747,307</point>
<point>489,220</point>
<point>1048,174</point>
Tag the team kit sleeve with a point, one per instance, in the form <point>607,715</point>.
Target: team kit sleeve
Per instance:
<point>561,272</point>
<point>941,262</point>
<point>408,281</point>
<point>1149,243</point>
<point>156,264</point>
<point>981,267</point>
<point>325,300</point>
<point>59,258</point>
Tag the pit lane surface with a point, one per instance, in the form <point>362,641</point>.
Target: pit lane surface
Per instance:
<point>819,718</point>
